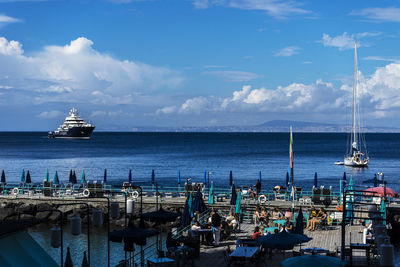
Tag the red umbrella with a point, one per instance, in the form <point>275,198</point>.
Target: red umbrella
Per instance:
<point>381,191</point>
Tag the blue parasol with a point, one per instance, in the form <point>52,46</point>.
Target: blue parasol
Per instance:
<point>299,229</point>
<point>3,177</point>
<point>47,178</point>
<point>287,179</point>
<point>198,203</point>
<point>186,218</point>
<point>56,180</point>
<point>23,176</point>
<point>233,195</point>
<point>259,176</point>
<point>344,176</point>
<point>211,194</point>
<point>190,202</point>
<point>179,177</point>
<point>313,260</point>
<point>282,240</point>
<point>230,178</point>
<point>349,205</point>
<point>28,178</point>
<point>238,208</point>
<point>316,179</point>
<point>153,177</point>
<point>83,179</point>
<point>71,176</point>
<point>130,176</point>
<point>383,211</point>
<point>75,180</point>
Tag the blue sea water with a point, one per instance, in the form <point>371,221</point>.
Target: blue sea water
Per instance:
<point>193,153</point>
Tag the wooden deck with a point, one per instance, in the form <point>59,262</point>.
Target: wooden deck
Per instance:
<point>329,239</point>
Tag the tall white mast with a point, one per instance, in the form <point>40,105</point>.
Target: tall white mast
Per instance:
<point>354,133</point>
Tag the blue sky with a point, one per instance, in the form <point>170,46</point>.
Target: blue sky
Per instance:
<point>195,63</point>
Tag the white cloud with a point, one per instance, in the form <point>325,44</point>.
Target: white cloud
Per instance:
<point>8,19</point>
<point>233,76</point>
<point>343,42</point>
<point>50,114</point>
<point>195,105</point>
<point>288,51</point>
<point>380,14</point>
<point>166,110</point>
<point>78,73</point>
<point>275,8</point>
<point>378,58</point>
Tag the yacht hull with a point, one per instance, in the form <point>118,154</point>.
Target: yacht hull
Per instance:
<point>74,132</point>
<point>355,162</point>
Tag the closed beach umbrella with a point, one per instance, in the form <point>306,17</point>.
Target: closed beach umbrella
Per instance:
<point>349,205</point>
<point>375,181</point>
<point>160,216</point>
<point>85,261</point>
<point>383,211</point>
<point>179,177</point>
<point>153,177</point>
<point>205,177</point>
<point>3,177</point>
<point>313,260</point>
<point>186,218</point>
<point>287,179</point>
<point>56,180</point>
<point>230,178</point>
<point>71,177</point>
<point>238,208</point>
<point>190,202</point>
<point>130,176</point>
<point>344,176</point>
<point>282,240</point>
<point>75,179</point>
<point>211,194</point>
<point>68,260</point>
<point>259,176</point>
<point>315,180</point>
<point>198,203</point>
<point>105,176</point>
<point>23,176</point>
<point>299,229</point>
<point>233,195</point>
<point>83,179</point>
<point>28,178</point>
<point>47,178</point>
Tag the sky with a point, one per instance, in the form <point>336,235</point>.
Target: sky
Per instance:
<point>172,63</point>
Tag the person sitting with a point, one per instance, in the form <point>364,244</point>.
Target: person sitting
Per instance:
<point>196,226</point>
<point>252,193</point>
<point>256,233</point>
<point>257,215</point>
<point>288,225</point>
<point>276,214</point>
<point>321,217</point>
<point>312,216</point>
<point>233,224</point>
<point>265,216</point>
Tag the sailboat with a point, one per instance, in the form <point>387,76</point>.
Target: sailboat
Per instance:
<point>357,155</point>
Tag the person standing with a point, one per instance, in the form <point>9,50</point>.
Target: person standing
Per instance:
<point>216,223</point>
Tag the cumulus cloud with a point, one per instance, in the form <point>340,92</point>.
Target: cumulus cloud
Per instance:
<point>274,8</point>
<point>346,40</point>
<point>288,51</point>
<point>233,76</point>
<point>379,14</point>
<point>76,73</point>
<point>50,114</point>
<point>166,110</point>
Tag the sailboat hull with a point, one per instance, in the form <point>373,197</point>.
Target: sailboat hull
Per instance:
<point>356,162</point>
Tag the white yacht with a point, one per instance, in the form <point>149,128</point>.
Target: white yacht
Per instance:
<point>73,127</point>
<point>357,155</point>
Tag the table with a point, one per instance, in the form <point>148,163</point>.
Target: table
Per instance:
<point>167,262</point>
<point>366,247</point>
<point>203,233</point>
<point>244,252</point>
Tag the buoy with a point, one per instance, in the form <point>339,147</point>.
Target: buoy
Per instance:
<point>135,194</point>
<point>15,191</point>
<point>114,210</point>
<point>97,218</point>
<point>55,237</point>
<point>86,193</point>
<point>262,198</point>
<point>130,206</point>
<point>387,255</point>
<point>76,225</point>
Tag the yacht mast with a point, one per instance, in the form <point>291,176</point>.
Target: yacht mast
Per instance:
<point>354,133</point>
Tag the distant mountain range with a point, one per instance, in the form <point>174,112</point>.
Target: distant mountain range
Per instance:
<point>270,126</point>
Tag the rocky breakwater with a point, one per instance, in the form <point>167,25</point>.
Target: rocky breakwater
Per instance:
<point>44,211</point>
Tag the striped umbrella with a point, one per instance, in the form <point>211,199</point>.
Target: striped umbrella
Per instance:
<point>23,176</point>
<point>83,179</point>
<point>56,180</point>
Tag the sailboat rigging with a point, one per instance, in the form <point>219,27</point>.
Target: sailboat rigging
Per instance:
<point>357,155</point>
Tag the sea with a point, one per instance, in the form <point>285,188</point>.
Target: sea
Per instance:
<point>192,155</point>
